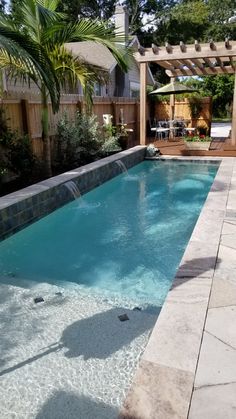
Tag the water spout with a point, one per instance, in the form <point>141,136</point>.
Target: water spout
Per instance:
<point>122,166</point>
<point>73,188</point>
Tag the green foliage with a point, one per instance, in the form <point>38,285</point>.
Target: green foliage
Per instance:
<point>2,5</point>
<point>82,140</point>
<point>187,20</point>
<point>111,137</point>
<point>195,105</point>
<point>197,139</point>
<point>16,153</point>
<point>111,145</point>
<point>41,22</point>
<point>221,88</point>
<point>102,9</point>
<point>79,141</point>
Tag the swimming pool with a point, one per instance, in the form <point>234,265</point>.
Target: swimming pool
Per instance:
<point>124,239</point>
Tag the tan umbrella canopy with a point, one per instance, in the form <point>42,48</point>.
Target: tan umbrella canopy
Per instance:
<point>172,89</point>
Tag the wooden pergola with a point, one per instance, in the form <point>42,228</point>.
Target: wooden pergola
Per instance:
<point>197,59</point>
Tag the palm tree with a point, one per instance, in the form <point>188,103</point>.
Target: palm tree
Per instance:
<point>40,22</point>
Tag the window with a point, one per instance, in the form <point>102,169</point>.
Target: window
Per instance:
<point>97,89</point>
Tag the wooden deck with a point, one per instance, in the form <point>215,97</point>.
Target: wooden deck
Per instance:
<point>177,147</point>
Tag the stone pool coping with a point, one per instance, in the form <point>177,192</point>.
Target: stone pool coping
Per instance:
<point>25,206</point>
<point>164,381</point>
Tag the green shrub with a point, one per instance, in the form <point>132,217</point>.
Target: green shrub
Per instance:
<point>195,106</point>
<point>110,140</point>
<point>111,145</point>
<point>16,153</point>
<point>79,141</point>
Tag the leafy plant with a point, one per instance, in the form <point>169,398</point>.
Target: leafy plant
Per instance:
<point>39,22</point>
<point>79,141</point>
<point>195,106</point>
<point>16,154</point>
<point>111,145</point>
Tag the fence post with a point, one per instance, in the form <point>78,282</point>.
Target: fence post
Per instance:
<point>25,118</point>
<point>79,106</point>
<point>113,110</point>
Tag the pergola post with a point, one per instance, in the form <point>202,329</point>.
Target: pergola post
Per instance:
<point>233,129</point>
<point>143,104</point>
<point>172,102</point>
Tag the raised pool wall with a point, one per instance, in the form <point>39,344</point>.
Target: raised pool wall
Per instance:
<point>23,207</point>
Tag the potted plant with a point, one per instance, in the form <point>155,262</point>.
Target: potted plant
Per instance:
<point>111,143</point>
<point>122,136</point>
<point>198,142</point>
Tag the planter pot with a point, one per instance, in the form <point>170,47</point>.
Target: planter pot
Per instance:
<point>123,141</point>
<point>195,145</point>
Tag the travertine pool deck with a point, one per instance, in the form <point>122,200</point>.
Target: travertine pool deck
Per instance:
<point>188,367</point>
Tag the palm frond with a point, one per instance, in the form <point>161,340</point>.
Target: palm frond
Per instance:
<point>20,49</point>
<point>90,30</point>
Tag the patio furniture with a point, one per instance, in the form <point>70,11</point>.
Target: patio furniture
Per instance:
<point>160,128</point>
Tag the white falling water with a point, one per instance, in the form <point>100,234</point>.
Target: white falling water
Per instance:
<point>122,166</point>
<point>73,188</point>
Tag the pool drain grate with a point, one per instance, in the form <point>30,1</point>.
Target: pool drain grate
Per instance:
<point>123,317</point>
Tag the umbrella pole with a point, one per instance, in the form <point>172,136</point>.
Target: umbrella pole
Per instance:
<point>172,115</point>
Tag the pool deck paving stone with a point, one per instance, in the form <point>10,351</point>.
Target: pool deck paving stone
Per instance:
<point>188,367</point>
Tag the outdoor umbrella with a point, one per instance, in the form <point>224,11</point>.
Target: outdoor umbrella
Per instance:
<point>172,89</point>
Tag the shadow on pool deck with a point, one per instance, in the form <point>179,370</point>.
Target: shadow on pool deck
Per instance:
<point>194,268</point>
<point>64,405</point>
<point>98,336</point>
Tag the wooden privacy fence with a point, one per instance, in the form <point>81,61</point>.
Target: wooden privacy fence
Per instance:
<point>24,115</point>
<point>183,110</point>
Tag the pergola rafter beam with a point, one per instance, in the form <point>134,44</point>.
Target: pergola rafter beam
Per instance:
<point>189,65</point>
<point>232,63</point>
<point>200,72</point>
<point>174,52</point>
<point>219,62</point>
<point>211,68</point>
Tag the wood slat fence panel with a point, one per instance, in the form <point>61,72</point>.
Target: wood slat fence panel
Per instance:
<point>24,114</point>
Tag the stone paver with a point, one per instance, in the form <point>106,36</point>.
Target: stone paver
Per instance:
<point>216,402</point>
<point>184,313</point>
<point>159,392</point>
<point>214,395</point>
<point>223,290</point>
<point>221,322</point>
<point>217,363</point>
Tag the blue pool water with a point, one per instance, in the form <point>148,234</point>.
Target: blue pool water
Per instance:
<point>124,238</point>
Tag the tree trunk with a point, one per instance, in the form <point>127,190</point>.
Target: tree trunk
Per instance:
<point>45,135</point>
